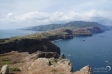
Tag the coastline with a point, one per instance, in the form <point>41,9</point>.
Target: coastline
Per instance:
<point>34,37</point>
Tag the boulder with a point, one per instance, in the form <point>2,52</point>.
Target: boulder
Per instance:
<point>5,70</point>
<point>42,62</point>
<point>84,70</point>
<point>65,64</point>
<point>62,56</point>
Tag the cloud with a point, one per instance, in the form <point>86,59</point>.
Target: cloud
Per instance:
<point>9,14</point>
<point>27,13</point>
<point>32,16</point>
<point>56,17</point>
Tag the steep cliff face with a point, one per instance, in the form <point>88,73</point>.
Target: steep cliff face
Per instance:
<point>82,32</point>
<point>88,31</point>
<point>29,45</point>
<point>95,29</point>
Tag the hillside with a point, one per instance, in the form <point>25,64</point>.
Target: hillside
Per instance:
<point>69,25</point>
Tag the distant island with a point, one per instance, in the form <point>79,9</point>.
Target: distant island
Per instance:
<point>70,25</point>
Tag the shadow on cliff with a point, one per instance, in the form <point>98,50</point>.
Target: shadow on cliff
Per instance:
<point>29,45</point>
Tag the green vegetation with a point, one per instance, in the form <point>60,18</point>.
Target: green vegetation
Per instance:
<point>5,60</point>
<point>35,36</point>
<point>53,61</point>
<point>53,70</point>
<point>3,40</point>
<point>14,69</point>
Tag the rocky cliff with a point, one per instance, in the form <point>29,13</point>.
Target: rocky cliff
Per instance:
<point>25,63</point>
<point>47,61</point>
<point>95,29</point>
<point>69,34</point>
<point>40,41</point>
<point>88,31</point>
<point>28,45</point>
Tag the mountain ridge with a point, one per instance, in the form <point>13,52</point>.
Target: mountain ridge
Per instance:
<point>70,25</point>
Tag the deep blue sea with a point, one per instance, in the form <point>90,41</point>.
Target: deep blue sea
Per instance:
<point>95,51</point>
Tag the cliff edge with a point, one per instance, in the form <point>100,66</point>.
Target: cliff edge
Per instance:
<point>31,64</point>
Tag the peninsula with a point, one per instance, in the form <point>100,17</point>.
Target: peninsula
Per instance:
<point>37,54</point>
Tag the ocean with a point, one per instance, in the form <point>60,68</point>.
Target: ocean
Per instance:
<point>95,51</point>
<point>12,33</point>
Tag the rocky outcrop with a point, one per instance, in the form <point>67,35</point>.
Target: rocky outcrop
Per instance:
<point>62,56</point>
<point>29,64</point>
<point>88,31</point>
<point>65,64</point>
<point>36,66</point>
<point>82,32</point>
<point>5,70</point>
<point>95,29</point>
<point>47,55</point>
<point>29,45</point>
<point>43,66</point>
<point>84,70</point>
<point>67,30</point>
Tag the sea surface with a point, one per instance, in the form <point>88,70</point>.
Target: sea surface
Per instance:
<point>95,51</point>
<point>12,33</point>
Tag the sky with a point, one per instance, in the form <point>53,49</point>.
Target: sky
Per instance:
<point>16,14</point>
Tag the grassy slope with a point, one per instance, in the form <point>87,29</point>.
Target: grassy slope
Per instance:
<point>35,36</point>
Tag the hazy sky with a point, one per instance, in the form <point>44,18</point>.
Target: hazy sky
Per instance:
<point>23,13</point>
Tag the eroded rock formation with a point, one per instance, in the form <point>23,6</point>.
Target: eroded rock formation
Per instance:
<point>47,55</point>
<point>4,70</point>
<point>84,70</point>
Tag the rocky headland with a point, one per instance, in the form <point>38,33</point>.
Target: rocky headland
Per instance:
<point>36,54</point>
<point>68,30</point>
<point>25,63</point>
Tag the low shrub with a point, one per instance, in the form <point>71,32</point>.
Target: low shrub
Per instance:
<point>53,70</point>
<point>14,69</point>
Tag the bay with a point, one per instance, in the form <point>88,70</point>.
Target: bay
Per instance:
<point>95,51</point>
